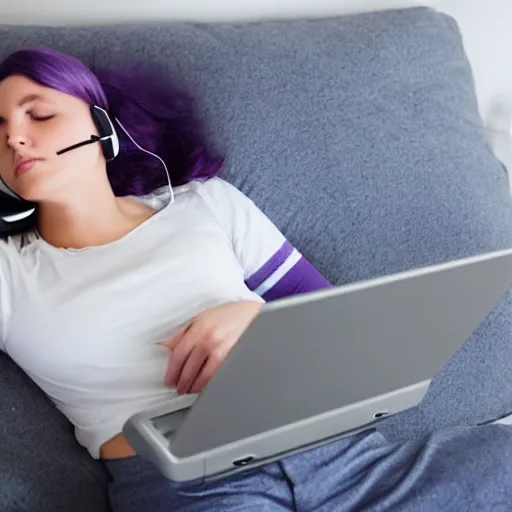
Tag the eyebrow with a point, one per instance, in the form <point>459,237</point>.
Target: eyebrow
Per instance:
<point>28,98</point>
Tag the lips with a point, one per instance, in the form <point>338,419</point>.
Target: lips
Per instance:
<point>24,165</point>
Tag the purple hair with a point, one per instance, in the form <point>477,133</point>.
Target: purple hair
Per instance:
<point>158,116</point>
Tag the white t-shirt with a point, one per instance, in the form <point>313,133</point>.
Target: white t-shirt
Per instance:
<point>84,324</point>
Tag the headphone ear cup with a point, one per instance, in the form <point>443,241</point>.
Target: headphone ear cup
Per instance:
<point>109,139</point>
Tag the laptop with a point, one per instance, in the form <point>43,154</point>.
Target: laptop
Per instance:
<point>322,365</point>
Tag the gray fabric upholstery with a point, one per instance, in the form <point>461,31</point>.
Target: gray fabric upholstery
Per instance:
<point>360,138</point>
<point>42,467</point>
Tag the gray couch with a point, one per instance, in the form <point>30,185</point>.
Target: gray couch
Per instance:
<point>360,137</point>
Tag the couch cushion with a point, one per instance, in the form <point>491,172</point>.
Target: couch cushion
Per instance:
<point>360,138</point>
<point>42,468</point>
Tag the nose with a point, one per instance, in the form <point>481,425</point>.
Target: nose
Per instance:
<point>15,133</point>
<point>17,141</point>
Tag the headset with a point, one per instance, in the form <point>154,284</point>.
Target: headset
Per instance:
<point>17,214</point>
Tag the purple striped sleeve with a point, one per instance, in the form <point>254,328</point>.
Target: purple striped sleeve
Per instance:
<point>270,266</point>
<point>301,278</point>
<point>286,273</point>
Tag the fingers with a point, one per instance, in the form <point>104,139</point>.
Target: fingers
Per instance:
<point>208,370</point>
<point>182,346</point>
<point>197,352</point>
<point>192,366</point>
<point>191,369</point>
<point>173,342</point>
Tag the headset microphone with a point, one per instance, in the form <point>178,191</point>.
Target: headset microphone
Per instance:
<point>92,140</point>
<point>110,141</point>
<point>14,210</point>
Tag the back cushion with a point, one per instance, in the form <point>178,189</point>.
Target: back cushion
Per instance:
<point>360,138</point>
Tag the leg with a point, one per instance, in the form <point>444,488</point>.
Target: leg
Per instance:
<point>464,469</point>
<point>137,486</point>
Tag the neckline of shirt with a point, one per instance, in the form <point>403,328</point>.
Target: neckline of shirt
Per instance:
<point>94,248</point>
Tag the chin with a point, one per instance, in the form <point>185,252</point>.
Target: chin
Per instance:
<point>35,189</point>
<point>35,184</point>
<point>34,193</point>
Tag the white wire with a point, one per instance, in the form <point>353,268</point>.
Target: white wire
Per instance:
<point>152,154</point>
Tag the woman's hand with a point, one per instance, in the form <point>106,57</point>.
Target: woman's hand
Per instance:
<point>201,346</point>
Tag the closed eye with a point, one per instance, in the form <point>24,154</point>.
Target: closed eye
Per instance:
<point>32,116</point>
<point>40,118</point>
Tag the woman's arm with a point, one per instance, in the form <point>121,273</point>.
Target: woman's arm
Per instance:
<point>271,266</point>
<point>286,273</point>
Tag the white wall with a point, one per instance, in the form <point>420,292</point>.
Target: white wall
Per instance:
<point>486,24</point>
<point>101,11</point>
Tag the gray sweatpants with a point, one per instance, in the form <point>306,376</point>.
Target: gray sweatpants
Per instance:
<point>459,470</point>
